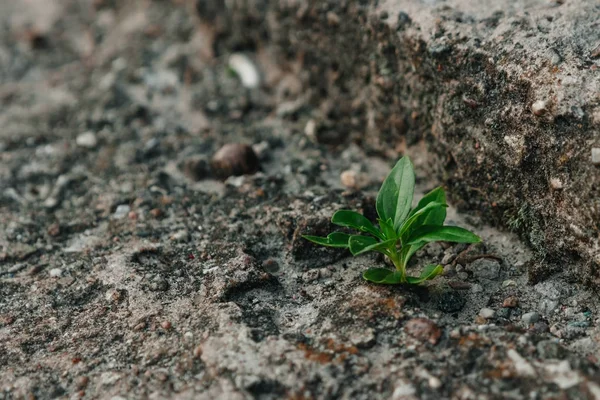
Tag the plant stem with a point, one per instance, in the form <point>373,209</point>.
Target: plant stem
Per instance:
<point>394,256</point>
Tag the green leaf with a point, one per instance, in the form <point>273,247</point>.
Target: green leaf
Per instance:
<point>413,223</point>
<point>335,239</point>
<point>355,220</point>
<point>383,275</point>
<point>362,244</point>
<point>454,234</point>
<point>388,229</point>
<point>358,244</point>
<point>408,251</point>
<point>395,196</point>
<point>434,217</point>
<point>430,272</point>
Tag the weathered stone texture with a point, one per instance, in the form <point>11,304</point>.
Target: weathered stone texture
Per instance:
<point>505,98</point>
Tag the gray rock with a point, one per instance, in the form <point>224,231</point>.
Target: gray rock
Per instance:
<point>447,259</point>
<point>503,313</point>
<point>363,339</point>
<point>476,288</point>
<point>310,275</point>
<point>547,306</point>
<point>487,313</point>
<point>530,317</point>
<point>485,268</point>
<point>159,284</point>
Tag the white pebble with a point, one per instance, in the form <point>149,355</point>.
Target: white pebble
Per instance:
<point>539,107</point>
<point>596,155</point>
<point>121,211</point>
<point>87,140</point>
<point>55,272</point>
<point>556,183</point>
<point>310,129</point>
<point>530,317</point>
<point>180,236</point>
<point>509,282</point>
<point>434,382</point>
<point>245,69</point>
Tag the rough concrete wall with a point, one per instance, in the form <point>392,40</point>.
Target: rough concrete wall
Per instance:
<point>505,98</point>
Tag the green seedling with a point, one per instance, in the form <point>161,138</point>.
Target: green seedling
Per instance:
<point>401,231</point>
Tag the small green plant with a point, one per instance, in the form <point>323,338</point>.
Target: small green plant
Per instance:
<point>402,231</point>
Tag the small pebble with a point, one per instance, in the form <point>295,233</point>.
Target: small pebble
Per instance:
<point>234,159</point>
<point>112,296</point>
<point>310,129</point>
<point>180,236</point>
<point>166,325</point>
<point>310,275</point>
<point>261,149</point>
<point>333,19</point>
<point>447,259</point>
<point>539,107</point>
<point>122,211</point>
<point>55,272</point>
<point>596,155</point>
<point>54,230</point>
<point>555,58</point>
<point>511,302</point>
<point>530,317</point>
<point>503,313</point>
<point>556,184</point>
<point>434,382</point>
<point>271,266</point>
<point>363,339</point>
<point>487,313</point>
<point>81,382</point>
<point>404,391</point>
<point>459,285</point>
<point>156,212</point>
<point>159,284</point>
<point>352,179</point>
<point>325,273</point>
<point>87,140</point>
<point>485,268</point>
<point>423,329</point>
<point>139,326</point>
<point>348,179</point>
<point>245,69</point>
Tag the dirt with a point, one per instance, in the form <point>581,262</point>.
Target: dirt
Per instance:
<point>128,271</point>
